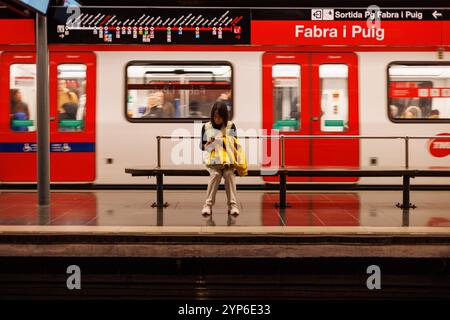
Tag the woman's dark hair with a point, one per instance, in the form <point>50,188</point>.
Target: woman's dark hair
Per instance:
<point>13,93</point>
<point>221,108</point>
<point>14,100</point>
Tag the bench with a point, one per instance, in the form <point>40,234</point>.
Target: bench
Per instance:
<point>290,171</point>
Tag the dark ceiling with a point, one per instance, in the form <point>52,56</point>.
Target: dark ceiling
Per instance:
<point>266,3</point>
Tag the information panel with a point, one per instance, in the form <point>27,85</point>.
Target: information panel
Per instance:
<point>75,25</point>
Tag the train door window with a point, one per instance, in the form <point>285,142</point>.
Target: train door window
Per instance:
<point>22,95</point>
<point>286,97</point>
<point>419,92</point>
<point>334,97</point>
<point>71,97</point>
<point>176,91</point>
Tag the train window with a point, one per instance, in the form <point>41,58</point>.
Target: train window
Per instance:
<point>71,97</point>
<point>334,97</point>
<point>22,95</point>
<point>419,92</point>
<point>176,91</point>
<point>286,96</point>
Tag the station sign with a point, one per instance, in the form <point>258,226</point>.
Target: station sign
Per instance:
<point>350,27</point>
<point>205,26</point>
<point>79,25</point>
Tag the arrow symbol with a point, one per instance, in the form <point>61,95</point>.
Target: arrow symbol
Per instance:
<point>436,14</point>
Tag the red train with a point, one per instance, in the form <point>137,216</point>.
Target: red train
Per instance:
<point>308,72</point>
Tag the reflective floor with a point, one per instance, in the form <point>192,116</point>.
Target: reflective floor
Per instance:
<point>307,209</point>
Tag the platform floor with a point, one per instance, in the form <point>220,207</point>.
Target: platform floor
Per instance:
<point>315,211</point>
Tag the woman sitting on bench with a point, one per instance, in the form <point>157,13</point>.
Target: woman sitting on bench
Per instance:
<point>218,139</point>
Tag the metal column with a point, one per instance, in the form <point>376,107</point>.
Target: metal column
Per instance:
<point>43,132</point>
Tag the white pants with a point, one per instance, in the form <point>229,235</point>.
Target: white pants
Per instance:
<point>215,176</point>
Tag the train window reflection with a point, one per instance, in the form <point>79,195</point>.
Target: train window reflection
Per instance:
<point>286,96</point>
<point>71,97</point>
<point>22,95</point>
<point>163,91</point>
<point>419,91</point>
<point>334,97</point>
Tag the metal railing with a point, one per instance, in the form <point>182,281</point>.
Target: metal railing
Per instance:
<point>282,138</point>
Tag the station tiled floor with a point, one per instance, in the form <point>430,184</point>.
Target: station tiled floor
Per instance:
<point>318,210</point>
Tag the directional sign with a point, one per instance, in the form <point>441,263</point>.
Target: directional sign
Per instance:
<point>436,14</point>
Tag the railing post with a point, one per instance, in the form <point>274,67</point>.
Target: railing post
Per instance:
<point>158,151</point>
<point>283,178</point>
<point>406,152</point>
<point>283,189</point>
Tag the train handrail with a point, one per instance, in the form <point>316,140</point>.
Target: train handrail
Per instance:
<point>282,138</point>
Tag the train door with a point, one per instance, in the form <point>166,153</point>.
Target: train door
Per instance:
<point>325,104</point>
<point>72,117</point>
<point>286,80</point>
<point>334,112</point>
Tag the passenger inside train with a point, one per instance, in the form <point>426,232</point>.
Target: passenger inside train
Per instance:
<point>226,98</point>
<point>65,95</point>
<point>181,91</point>
<point>419,92</point>
<point>19,110</point>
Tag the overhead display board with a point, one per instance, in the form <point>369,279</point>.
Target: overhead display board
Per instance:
<point>125,25</point>
<point>220,26</point>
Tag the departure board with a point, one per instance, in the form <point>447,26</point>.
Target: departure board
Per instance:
<point>127,25</point>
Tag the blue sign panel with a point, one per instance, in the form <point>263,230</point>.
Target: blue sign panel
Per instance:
<point>54,147</point>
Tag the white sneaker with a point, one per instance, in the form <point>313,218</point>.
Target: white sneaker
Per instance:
<point>233,210</point>
<point>231,220</point>
<point>207,210</point>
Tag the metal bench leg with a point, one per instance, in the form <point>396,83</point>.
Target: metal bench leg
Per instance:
<point>283,188</point>
<point>405,218</point>
<point>160,192</point>
<point>406,205</point>
<point>159,217</point>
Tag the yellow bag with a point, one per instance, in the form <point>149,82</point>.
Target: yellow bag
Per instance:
<point>240,160</point>
<point>229,153</point>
